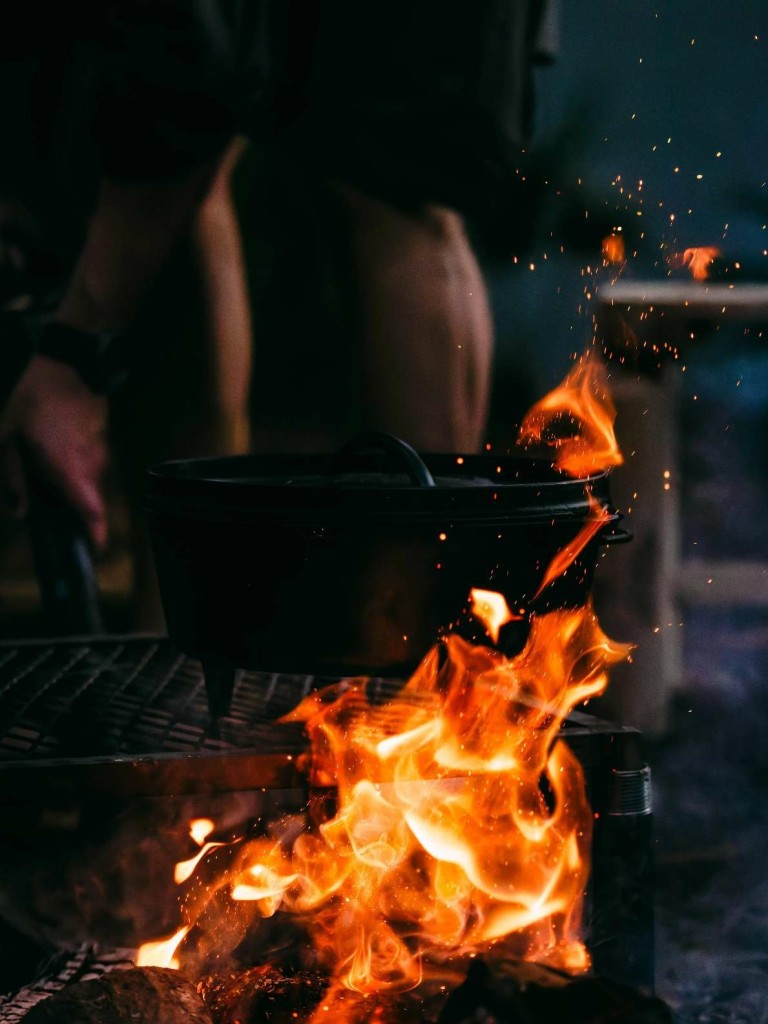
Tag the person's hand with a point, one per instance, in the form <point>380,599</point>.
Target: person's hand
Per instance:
<point>58,425</point>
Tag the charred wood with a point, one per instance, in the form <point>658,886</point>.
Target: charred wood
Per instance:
<point>260,994</point>
<point>152,995</point>
<point>528,994</point>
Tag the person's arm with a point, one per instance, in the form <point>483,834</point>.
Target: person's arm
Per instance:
<point>52,414</point>
<point>129,238</point>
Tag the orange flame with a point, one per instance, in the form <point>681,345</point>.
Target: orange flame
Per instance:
<point>575,421</point>
<point>199,829</point>
<point>697,259</point>
<point>462,820</point>
<point>613,248</point>
<point>599,517</point>
<point>492,610</point>
<point>161,953</point>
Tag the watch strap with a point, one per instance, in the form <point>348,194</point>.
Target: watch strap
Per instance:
<point>98,357</point>
<point>17,346</point>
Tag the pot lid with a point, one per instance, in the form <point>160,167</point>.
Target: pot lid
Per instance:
<point>366,481</point>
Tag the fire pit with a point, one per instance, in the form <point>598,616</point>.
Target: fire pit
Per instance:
<point>126,720</point>
<point>445,817</point>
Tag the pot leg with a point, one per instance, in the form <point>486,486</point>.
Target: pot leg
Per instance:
<point>219,686</point>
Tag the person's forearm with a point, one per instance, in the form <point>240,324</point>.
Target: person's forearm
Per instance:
<point>131,233</point>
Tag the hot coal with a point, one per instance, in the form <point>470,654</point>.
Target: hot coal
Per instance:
<point>528,994</point>
<point>507,994</point>
<point>262,994</point>
<point>152,995</point>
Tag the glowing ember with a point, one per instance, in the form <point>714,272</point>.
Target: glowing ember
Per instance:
<point>575,421</point>
<point>613,249</point>
<point>492,610</point>
<point>697,259</point>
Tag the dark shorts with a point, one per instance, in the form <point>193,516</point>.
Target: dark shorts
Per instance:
<point>410,100</point>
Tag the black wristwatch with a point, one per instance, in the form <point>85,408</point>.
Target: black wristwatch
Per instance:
<point>17,346</point>
<point>99,358</point>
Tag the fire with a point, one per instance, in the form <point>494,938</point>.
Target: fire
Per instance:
<point>575,421</point>
<point>462,819</point>
<point>697,259</point>
<point>492,610</point>
<point>598,518</point>
<point>199,830</point>
<point>613,248</point>
<point>161,953</point>
<point>461,823</point>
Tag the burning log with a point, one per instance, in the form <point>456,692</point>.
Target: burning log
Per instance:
<point>264,993</point>
<point>152,995</point>
<point>269,993</point>
<point>530,994</point>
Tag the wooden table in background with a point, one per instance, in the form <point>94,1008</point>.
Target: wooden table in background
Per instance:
<point>652,328</point>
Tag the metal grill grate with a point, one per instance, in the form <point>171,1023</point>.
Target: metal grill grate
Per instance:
<point>126,697</point>
<point>66,968</point>
<point>131,715</point>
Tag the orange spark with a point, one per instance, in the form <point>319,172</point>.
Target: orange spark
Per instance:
<point>697,259</point>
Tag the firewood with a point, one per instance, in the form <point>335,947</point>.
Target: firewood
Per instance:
<point>525,994</point>
<point>387,1007</point>
<point>152,995</point>
<point>260,994</point>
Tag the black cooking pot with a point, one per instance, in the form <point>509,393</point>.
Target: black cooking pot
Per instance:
<point>353,564</point>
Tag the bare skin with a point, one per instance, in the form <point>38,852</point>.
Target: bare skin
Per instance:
<point>52,414</point>
<point>58,422</point>
<point>216,240</point>
<point>425,328</point>
<point>426,333</point>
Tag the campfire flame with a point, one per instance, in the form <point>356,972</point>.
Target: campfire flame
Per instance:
<point>163,952</point>
<point>492,610</point>
<point>599,517</point>
<point>574,423</point>
<point>461,821</point>
<point>199,830</point>
<point>697,259</point>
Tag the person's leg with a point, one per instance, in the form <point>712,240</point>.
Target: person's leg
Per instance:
<point>425,329</point>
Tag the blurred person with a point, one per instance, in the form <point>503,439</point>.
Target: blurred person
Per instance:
<point>413,114</point>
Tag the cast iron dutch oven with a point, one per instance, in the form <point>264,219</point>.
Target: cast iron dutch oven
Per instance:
<point>354,563</point>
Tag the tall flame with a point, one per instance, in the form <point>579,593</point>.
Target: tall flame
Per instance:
<point>462,820</point>
<point>697,259</point>
<point>575,421</point>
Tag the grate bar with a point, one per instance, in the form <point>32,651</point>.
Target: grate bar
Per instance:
<point>86,963</point>
<point>46,683</point>
<point>131,713</point>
